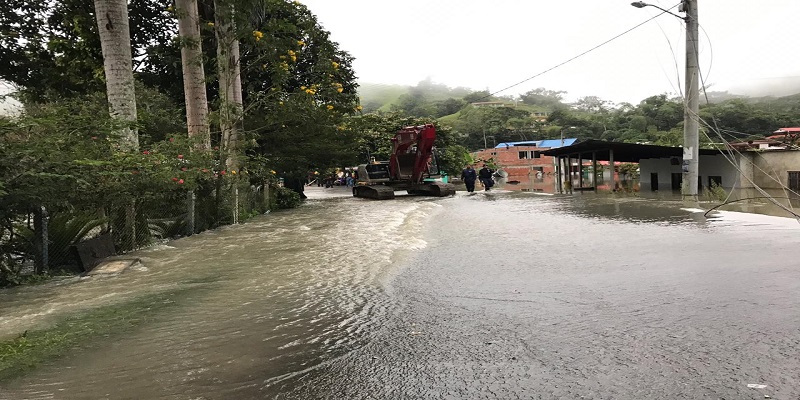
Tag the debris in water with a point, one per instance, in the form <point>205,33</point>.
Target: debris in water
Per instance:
<point>756,386</point>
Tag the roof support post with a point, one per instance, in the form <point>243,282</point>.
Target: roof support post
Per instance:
<point>559,185</point>
<point>612,175</point>
<point>594,171</point>
<point>568,174</point>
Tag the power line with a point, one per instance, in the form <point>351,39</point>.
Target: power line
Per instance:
<point>581,54</point>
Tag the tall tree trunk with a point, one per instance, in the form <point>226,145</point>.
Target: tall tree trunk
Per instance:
<point>194,79</point>
<point>115,40</point>
<point>230,92</point>
<point>230,83</point>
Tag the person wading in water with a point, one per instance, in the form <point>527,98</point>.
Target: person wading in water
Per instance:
<point>485,174</point>
<point>469,176</point>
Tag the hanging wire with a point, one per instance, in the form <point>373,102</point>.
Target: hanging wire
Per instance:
<point>730,152</point>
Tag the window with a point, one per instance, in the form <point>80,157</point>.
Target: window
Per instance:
<point>794,180</point>
<point>535,154</point>
<point>523,155</point>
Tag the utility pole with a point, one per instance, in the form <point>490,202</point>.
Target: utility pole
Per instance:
<point>691,126</point>
<point>691,106</point>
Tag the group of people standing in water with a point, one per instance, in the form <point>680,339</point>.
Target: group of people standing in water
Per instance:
<point>469,176</point>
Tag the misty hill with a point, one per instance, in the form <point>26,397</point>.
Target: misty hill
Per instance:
<point>375,96</point>
<point>382,97</point>
<point>768,87</point>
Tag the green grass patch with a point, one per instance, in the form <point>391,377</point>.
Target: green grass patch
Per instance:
<point>31,348</point>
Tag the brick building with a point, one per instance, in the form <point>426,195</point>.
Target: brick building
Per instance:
<point>527,168</point>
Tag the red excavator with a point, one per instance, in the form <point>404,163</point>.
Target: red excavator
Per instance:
<point>411,167</point>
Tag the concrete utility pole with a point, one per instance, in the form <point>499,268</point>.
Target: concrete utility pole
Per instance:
<point>691,126</point>
<point>691,106</point>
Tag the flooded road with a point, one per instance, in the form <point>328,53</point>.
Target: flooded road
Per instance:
<point>498,296</point>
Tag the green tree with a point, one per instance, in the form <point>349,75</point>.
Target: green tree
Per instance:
<point>52,49</point>
<point>483,95</point>
<point>544,98</point>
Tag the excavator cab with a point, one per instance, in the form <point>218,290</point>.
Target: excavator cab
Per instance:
<point>374,173</point>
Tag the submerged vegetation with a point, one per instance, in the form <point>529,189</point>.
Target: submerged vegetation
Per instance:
<point>31,348</point>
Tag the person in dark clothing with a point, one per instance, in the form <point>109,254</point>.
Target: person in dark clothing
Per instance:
<point>485,175</point>
<point>469,176</point>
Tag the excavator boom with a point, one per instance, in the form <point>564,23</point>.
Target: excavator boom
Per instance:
<point>408,165</point>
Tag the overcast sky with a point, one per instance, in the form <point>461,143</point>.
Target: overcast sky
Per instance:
<point>493,44</point>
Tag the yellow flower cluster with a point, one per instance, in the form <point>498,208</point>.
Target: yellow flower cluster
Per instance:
<point>292,55</point>
<point>312,90</point>
<point>335,64</point>
<point>210,24</point>
<point>284,66</point>
<point>359,108</point>
<point>329,107</point>
<point>338,86</point>
<point>258,35</point>
<point>301,43</point>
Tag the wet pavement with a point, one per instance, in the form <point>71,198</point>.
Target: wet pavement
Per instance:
<point>494,295</point>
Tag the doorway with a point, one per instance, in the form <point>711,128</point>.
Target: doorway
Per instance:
<point>654,181</point>
<point>677,180</point>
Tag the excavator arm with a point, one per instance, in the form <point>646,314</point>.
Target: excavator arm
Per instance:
<point>411,152</point>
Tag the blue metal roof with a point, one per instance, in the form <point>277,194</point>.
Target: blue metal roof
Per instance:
<point>549,143</point>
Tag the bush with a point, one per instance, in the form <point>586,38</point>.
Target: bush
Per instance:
<point>286,198</point>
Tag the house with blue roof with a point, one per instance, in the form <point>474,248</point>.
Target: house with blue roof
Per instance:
<point>523,164</point>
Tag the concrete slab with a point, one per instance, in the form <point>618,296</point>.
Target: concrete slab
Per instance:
<point>112,267</point>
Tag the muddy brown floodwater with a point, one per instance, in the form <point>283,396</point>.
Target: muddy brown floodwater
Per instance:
<point>488,296</point>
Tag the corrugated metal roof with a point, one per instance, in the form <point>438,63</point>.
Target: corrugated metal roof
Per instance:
<point>549,143</point>
<point>627,152</point>
<point>553,143</point>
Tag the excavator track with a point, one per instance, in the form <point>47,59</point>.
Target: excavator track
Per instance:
<point>436,189</point>
<point>376,192</point>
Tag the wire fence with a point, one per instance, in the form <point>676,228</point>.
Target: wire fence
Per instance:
<point>74,237</point>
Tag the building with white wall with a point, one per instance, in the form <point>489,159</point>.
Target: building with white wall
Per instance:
<point>772,169</point>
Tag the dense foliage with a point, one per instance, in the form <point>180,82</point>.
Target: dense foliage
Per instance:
<point>60,159</point>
